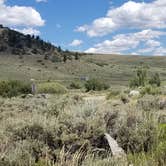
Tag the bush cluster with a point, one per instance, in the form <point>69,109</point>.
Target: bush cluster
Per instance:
<point>151,90</point>
<point>75,85</point>
<point>51,87</point>
<point>113,94</point>
<point>57,130</point>
<point>141,79</point>
<point>95,85</point>
<point>14,88</point>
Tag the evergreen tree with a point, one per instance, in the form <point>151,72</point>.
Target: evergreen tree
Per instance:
<point>64,58</point>
<point>76,56</point>
<point>59,49</point>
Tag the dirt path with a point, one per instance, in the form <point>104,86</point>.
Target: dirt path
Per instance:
<point>95,98</point>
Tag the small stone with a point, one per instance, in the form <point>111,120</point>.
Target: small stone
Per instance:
<point>29,96</point>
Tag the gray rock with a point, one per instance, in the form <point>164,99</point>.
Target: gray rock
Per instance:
<point>29,96</point>
<point>134,93</point>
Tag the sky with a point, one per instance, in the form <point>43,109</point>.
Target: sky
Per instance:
<point>135,27</point>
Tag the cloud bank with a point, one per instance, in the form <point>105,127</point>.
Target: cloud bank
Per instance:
<point>20,16</point>
<point>147,21</point>
<point>134,15</point>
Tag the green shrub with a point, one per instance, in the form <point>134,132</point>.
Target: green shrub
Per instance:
<point>151,90</point>
<point>137,134</point>
<point>95,85</point>
<point>140,79</point>
<point>155,80</point>
<point>51,87</point>
<point>162,128</point>
<point>160,151</point>
<point>25,153</point>
<point>75,85</point>
<point>14,88</point>
<point>35,132</point>
<point>124,98</point>
<point>113,93</point>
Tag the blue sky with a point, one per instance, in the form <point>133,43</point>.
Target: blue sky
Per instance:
<point>97,26</point>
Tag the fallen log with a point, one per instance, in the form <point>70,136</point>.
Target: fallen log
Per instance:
<point>116,150</point>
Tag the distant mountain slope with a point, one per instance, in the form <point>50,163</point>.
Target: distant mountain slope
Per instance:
<point>40,60</point>
<point>16,43</point>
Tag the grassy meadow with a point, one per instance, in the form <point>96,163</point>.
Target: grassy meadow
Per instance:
<point>65,122</point>
<point>113,69</point>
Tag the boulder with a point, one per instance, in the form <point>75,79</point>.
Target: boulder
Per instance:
<point>134,93</point>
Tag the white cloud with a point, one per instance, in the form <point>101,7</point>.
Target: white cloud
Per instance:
<point>30,31</point>
<point>161,51</point>
<point>144,35</point>
<point>76,43</point>
<point>19,16</point>
<point>41,0</point>
<point>134,53</point>
<point>156,51</point>
<point>152,43</point>
<point>146,50</point>
<point>137,15</point>
<point>116,46</point>
<point>99,27</point>
<point>1,2</point>
<point>126,42</point>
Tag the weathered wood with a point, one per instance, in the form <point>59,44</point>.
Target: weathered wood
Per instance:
<point>116,150</point>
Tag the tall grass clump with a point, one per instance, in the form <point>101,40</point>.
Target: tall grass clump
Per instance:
<point>51,88</point>
<point>14,88</point>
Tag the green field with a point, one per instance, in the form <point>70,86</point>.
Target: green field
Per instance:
<point>113,69</point>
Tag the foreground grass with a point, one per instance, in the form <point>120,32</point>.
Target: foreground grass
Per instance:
<point>59,130</point>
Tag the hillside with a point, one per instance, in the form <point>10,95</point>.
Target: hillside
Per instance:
<point>16,43</point>
<point>113,69</point>
<point>34,58</point>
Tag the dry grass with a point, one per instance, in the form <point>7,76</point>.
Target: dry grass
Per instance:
<point>111,69</point>
<point>64,130</point>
